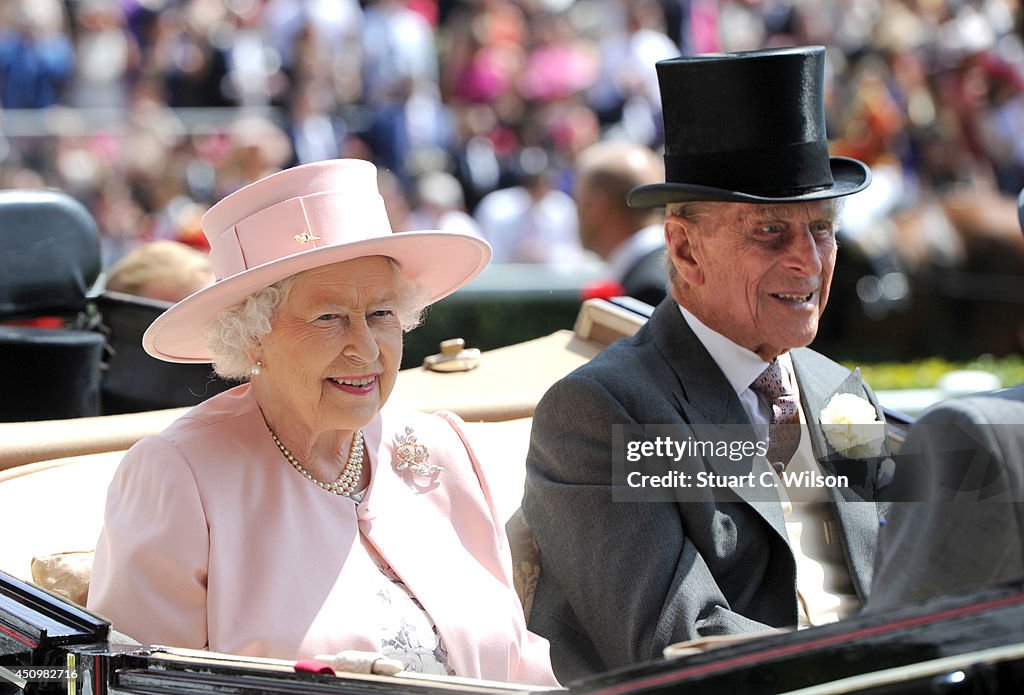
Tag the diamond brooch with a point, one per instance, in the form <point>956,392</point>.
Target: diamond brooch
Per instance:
<point>412,455</point>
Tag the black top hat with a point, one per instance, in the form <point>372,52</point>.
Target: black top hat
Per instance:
<point>748,127</point>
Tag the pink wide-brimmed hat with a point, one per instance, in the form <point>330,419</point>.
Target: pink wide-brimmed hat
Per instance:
<point>297,219</point>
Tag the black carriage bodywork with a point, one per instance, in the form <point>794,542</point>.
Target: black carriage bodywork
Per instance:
<point>966,643</point>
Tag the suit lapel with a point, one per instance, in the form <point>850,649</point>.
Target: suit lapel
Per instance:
<point>700,386</point>
<point>706,400</point>
<point>814,394</point>
<point>819,380</point>
<point>411,535</point>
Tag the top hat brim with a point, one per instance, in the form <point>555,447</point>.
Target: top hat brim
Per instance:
<point>849,176</point>
<point>441,262</point>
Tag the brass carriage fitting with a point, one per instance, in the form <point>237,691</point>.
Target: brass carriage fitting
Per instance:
<point>454,357</point>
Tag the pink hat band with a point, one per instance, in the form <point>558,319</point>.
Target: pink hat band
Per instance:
<point>296,225</point>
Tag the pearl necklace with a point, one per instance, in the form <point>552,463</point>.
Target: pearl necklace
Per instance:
<point>346,483</point>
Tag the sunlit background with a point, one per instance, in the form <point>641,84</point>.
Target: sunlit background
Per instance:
<point>148,111</point>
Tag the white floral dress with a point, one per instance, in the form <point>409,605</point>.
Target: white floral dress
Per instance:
<point>407,633</point>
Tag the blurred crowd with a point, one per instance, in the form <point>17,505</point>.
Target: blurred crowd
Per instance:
<point>150,110</point>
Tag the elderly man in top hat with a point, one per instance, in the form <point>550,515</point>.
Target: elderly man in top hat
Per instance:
<point>716,400</point>
<point>957,522</point>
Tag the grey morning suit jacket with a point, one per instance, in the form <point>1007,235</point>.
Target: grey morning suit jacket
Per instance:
<point>619,580</point>
<point>969,453</point>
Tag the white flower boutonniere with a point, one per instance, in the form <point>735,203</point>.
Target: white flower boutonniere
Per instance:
<point>852,427</point>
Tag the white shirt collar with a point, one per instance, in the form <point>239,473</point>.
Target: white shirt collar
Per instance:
<point>740,365</point>
<point>623,256</point>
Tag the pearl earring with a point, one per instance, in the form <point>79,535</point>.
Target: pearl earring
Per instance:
<point>256,368</point>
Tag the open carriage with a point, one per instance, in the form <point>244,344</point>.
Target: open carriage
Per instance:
<point>76,397</point>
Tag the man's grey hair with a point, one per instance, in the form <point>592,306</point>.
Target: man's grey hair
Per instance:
<point>243,326</point>
<point>695,211</point>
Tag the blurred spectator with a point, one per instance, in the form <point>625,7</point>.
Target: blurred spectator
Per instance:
<point>983,90</point>
<point>931,94</point>
<point>258,148</point>
<point>36,56</point>
<point>315,134</point>
<point>532,222</point>
<point>396,201</point>
<point>483,45</point>
<point>400,77</point>
<point>440,204</point>
<point>693,25</point>
<point>872,125</point>
<point>559,61</point>
<point>253,67</point>
<point>626,91</point>
<point>108,56</point>
<point>320,47</point>
<point>164,270</point>
<point>317,39</point>
<point>191,66</point>
<point>631,240</point>
<point>121,216</point>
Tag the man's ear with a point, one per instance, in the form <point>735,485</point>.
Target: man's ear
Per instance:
<point>679,238</point>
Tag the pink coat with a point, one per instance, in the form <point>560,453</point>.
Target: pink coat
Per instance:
<point>211,540</point>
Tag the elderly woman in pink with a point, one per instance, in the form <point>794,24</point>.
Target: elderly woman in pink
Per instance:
<point>298,514</point>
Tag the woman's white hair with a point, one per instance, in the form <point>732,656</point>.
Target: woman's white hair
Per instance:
<point>242,326</point>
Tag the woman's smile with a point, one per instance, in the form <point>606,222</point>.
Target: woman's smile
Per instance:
<point>359,385</point>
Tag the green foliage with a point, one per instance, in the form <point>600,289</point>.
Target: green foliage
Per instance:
<point>488,324</point>
<point>925,373</point>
